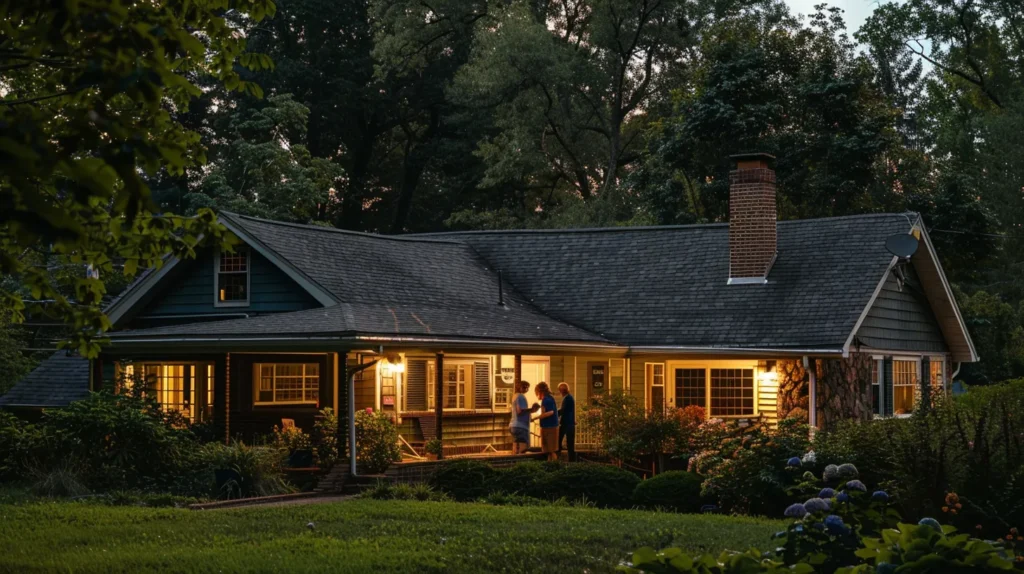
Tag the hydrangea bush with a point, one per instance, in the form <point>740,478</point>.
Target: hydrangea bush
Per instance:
<point>842,527</point>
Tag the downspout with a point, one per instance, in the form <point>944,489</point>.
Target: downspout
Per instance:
<point>812,387</point>
<point>352,414</point>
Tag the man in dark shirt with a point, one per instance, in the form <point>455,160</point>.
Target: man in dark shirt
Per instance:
<point>567,422</point>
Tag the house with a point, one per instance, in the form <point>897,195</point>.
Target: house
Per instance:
<point>751,319</point>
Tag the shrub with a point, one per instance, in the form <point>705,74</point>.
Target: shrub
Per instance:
<point>18,439</point>
<point>849,532</point>
<point>748,471</point>
<point>464,480</point>
<point>246,471</point>
<point>675,490</point>
<point>325,439</point>
<point>628,431</point>
<point>433,447</point>
<point>62,480</point>
<point>384,490</point>
<point>117,441</point>
<point>601,485</point>
<point>524,478</point>
<point>377,441</point>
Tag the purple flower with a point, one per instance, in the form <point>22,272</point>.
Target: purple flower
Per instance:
<point>817,505</point>
<point>931,523</point>
<point>848,471</point>
<point>880,496</point>
<point>834,524</point>
<point>856,485</point>
<point>826,493</point>
<point>796,511</point>
<point>795,461</point>
<point>831,473</point>
<point>843,497</point>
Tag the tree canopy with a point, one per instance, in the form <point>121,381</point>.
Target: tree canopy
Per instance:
<point>406,116</point>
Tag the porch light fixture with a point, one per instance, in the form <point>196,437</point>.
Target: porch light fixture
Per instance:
<point>770,373</point>
<point>392,365</point>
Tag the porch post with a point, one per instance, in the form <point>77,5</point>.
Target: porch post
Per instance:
<point>351,421</point>
<point>341,400</point>
<point>439,401</point>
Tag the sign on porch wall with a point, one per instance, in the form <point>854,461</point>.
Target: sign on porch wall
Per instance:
<point>508,375</point>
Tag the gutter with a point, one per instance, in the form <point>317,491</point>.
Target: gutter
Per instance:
<point>462,342</point>
<point>796,352</point>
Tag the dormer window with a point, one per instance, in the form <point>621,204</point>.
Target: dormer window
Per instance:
<point>232,279</point>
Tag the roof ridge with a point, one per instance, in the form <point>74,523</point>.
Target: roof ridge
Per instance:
<point>689,226</point>
<point>410,238</point>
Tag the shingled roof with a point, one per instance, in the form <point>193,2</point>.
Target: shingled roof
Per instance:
<point>56,382</point>
<point>666,286</point>
<point>638,287</point>
<point>385,286</point>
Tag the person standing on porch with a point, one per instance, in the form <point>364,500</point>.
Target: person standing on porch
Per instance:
<point>519,424</point>
<point>548,421</point>
<point>567,422</point>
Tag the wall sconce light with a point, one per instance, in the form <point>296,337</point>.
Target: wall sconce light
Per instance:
<point>392,364</point>
<point>770,373</point>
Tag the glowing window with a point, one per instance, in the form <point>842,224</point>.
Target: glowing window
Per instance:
<point>233,278</point>
<point>287,383</point>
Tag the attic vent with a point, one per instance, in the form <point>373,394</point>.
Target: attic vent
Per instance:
<point>753,217</point>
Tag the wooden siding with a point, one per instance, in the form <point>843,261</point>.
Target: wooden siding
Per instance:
<point>250,421</point>
<point>465,433</point>
<point>191,291</point>
<point>901,319</point>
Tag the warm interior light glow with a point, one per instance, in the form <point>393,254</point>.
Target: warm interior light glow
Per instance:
<point>769,377</point>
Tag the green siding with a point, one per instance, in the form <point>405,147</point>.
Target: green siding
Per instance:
<point>901,320</point>
<point>191,291</point>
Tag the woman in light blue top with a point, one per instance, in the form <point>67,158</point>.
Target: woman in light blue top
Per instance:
<point>519,424</point>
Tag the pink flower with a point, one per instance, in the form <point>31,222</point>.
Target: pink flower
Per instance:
<point>369,410</point>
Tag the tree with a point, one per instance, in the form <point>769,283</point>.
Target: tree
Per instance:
<point>89,89</point>
<point>800,93</point>
<point>266,170</point>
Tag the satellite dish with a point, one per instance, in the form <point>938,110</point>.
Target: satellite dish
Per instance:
<point>901,245</point>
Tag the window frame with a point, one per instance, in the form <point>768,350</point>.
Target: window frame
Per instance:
<point>468,395</point>
<point>257,375</point>
<point>878,364</point>
<point>649,377</point>
<point>707,367</point>
<point>915,385</point>
<point>200,408</point>
<point>248,278</point>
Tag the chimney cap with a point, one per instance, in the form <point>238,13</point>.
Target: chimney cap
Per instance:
<point>753,160</point>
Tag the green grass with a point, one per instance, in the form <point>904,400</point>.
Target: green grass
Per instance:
<point>354,536</point>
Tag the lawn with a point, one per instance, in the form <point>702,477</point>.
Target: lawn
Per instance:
<point>353,536</point>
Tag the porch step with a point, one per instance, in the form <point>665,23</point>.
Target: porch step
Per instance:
<point>334,481</point>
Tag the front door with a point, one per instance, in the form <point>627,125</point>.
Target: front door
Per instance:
<point>535,371</point>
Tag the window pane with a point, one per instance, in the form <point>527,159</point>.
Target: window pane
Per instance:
<point>904,383</point>
<point>658,398</point>
<point>876,388</point>
<point>233,286</point>
<point>691,387</point>
<point>732,392</point>
<point>236,262</point>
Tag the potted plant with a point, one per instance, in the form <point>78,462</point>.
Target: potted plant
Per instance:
<point>433,449</point>
<point>297,444</point>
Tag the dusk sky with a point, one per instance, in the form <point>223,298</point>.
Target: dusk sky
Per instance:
<point>856,10</point>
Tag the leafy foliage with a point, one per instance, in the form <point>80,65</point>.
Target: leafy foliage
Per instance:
<point>675,490</point>
<point>376,441</point>
<point>748,470</point>
<point>91,93</point>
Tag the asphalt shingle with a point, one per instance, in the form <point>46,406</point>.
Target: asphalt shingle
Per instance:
<point>57,381</point>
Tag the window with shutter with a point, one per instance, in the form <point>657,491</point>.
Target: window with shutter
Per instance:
<point>481,385</point>
<point>416,385</point>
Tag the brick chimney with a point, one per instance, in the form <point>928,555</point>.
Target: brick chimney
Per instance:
<point>752,219</point>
